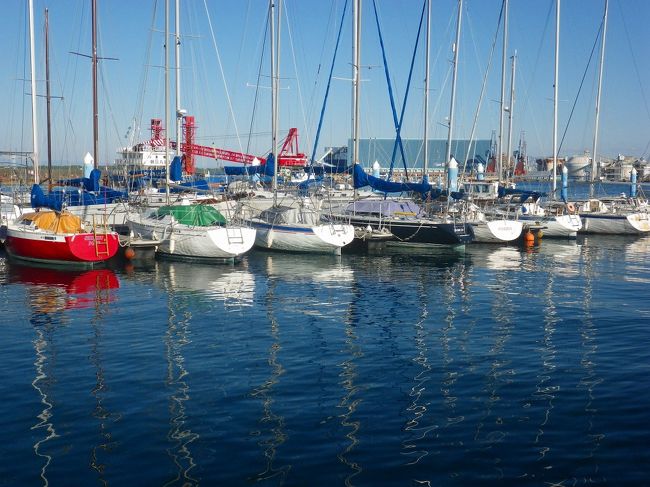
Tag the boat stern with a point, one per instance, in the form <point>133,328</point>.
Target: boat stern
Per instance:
<point>335,234</point>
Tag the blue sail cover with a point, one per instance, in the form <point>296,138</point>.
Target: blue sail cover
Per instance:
<point>176,169</point>
<point>200,184</point>
<point>243,170</point>
<point>89,184</point>
<point>524,195</point>
<point>40,200</point>
<point>362,179</point>
<point>55,200</point>
<point>312,184</point>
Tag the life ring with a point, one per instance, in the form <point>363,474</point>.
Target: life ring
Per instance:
<point>571,208</point>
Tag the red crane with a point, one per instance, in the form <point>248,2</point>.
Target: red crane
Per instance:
<point>289,155</point>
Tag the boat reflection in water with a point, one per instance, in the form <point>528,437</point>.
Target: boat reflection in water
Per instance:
<point>234,286</point>
<point>501,258</point>
<point>190,287</point>
<point>564,257</point>
<point>636,251</point>
<point>56,290</point>
<point>319,268</point>
<point>624,257</point>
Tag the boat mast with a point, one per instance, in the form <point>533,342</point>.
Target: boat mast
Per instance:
<point>33,83</point>
<point>277,95</point>
<point>166,44</point>
<point>594,166</point>
<point>94,69</point>
<point>499,160</point>
<point>177,57</point>
<point>555,93</point>
<point>425,152</point>
<point>273,100</point>
<point>453,86</point>
<point>511,109</point>
<point>48,98</point>
<point>356,82</point>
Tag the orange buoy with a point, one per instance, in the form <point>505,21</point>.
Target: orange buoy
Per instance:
<point>129,253</point>
<point>529,238</point>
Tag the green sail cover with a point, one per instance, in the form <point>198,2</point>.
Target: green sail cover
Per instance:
<point>195,215</point>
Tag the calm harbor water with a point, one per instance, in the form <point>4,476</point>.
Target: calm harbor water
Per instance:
<point>492,366</point>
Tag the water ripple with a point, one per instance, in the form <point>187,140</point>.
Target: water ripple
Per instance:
<point>41,385</point>
<point>272,433</point>
<point>177,338</point>
<point>501,366</point>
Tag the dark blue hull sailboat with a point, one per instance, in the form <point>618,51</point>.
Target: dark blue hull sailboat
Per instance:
<point>404,220</point>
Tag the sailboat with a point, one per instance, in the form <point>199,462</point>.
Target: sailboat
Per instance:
<point>50,236</point>
<point>188,231</point>
<point>618,216</point>
<point>84,197</point>
<point>192,231</point>
<point>295,227</point>
<point>59,238</point>
<point>560,220</point>
<point>379,215</point>
<point>486,228</point>
<point>9,212</point>
<point>556,219</point>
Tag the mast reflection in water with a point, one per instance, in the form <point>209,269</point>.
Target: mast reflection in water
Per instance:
<point>496,365</point>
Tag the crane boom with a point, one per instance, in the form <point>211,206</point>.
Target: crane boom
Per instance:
<point>289,155</point>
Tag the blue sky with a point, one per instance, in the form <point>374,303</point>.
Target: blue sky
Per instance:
<point>308,36</point>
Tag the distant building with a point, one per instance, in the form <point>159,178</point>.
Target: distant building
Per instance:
<point>579,167</point>
<point>618,169</point>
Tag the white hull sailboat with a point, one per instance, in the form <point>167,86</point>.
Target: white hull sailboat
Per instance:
<point>611,219</point>
<point>192,232</point>
<point>300,230</point>
<point>492,229</point>
<point>630,224</point>
<point>621,217</point>
<point>554,222</point>
<point>188,231</point>
<point>496,231</point>
<point>560,225</point>
<point>293,227</point>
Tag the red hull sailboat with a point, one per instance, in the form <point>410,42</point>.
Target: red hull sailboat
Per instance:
<point>59,238</point>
